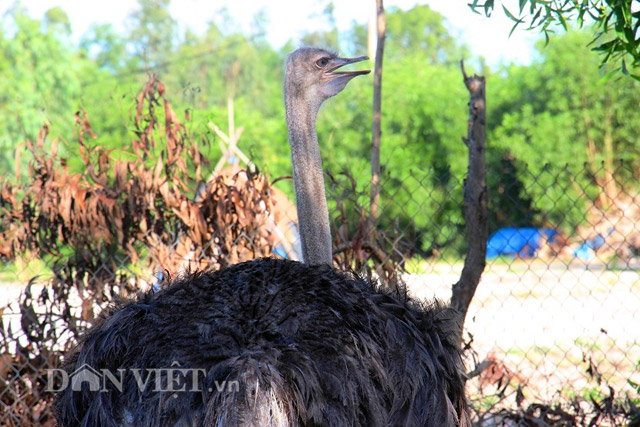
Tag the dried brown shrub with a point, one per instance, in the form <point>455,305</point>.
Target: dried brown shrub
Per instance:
<point>503,398</point>
<point>125,204</point>
<point>108,228</point>
<point>379,255</point>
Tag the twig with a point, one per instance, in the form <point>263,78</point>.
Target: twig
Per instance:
<point>481,367</point>
<point>231,148</point>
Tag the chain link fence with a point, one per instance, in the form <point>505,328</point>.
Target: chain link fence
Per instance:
<point>551,337</point>
<point>554,318</point>
<point>551,332</point>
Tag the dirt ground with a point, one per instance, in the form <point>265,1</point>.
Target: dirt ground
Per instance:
<point>542,321</point>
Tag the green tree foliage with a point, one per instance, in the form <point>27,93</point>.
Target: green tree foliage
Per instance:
<point>421,31</point>
<point>40,82</point>
<point>557,111</point>
<point>424,117</point>
<point>56,19</point>
<point>324,38</point>
<point>152,32</point>
<point>106,47</point>
<point>560,111</point>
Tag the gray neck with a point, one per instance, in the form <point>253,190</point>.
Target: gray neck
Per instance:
<point>308,178</point>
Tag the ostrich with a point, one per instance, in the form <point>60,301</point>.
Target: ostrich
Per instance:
<point>301,343</point>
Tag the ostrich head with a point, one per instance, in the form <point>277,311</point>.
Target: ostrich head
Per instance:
<point>312,74</point>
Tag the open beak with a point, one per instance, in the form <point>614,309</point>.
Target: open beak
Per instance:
<point>337,63</point>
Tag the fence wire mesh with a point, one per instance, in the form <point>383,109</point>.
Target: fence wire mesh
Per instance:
<point>551,335</point>
<point>554,318</point>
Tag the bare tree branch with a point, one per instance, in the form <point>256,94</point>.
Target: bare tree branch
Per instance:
<point>476,196</point>
<point>375,128</point>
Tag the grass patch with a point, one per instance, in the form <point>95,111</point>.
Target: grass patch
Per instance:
<point>588,344</point>
<point>25,268</point>
<point>432,265</point>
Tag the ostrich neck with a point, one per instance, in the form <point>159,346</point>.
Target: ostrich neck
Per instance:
<point>308,178</point>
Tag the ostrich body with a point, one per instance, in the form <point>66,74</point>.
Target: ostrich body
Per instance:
<point>301,343</point>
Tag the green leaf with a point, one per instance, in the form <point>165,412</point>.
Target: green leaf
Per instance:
<point>510,16</point>
<point>488,7</point>
<point>513,29</point>
<point>607,76</point>
<point>624,68</point>
<point>629,35</point>
<point>595,38</point>
<point>580,18</point>
<point>605,23</point>
<point>473,6</point>
<point>523,3</point>
<point>562,21</point>
<point>606,46</point>
<point>625,10</point>
<point>630,48</point>
<point>535,18</point>
<point>609,47</point>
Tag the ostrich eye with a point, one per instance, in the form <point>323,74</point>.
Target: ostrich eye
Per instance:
<point>322,62</point>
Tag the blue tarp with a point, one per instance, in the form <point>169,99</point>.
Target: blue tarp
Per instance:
<point>586,251</point>
<point>520,241</point>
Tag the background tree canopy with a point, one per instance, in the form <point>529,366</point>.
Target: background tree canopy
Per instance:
<point>557,111</point>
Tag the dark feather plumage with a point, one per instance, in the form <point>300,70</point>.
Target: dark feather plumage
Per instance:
<point>308,345</point>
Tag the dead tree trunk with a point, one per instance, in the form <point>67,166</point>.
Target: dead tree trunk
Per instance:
<point>476,197</point>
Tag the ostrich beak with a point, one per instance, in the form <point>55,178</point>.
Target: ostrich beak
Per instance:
<point>337,63</point>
